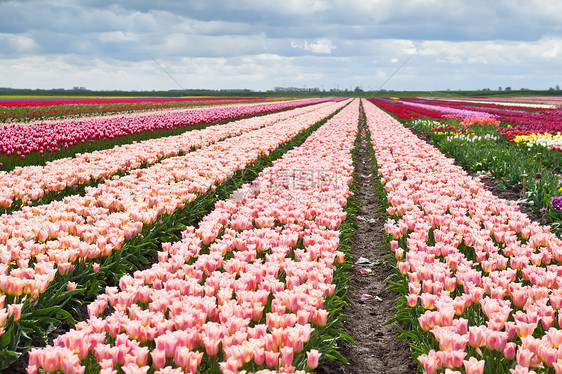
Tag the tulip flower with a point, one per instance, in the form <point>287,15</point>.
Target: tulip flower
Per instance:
<point>474,366</point>
<point>312,358</point>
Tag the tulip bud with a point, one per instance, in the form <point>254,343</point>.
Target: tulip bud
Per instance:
<point>312,358</point>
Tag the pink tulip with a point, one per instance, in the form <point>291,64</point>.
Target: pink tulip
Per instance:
<point>51,361</point>
<point>431,362</point>
<point>259,355</point>
<point>412,300</point>
<point>524,329</point>
<point>134,369</point>
<point>158,358</point>
<point>548,355</point>
<point>211,346</point>
<point>13,310</point>
<point>509,351</point>
<point>474,366</point>
<point>525,357</point>
<point>557,366</point>
<point>312,358</point>
<point>271,358</point>
<point>286,356</point>
<point>521,370</point>
<point>453,358</point>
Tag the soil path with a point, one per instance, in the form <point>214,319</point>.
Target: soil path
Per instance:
<point>377,349</point>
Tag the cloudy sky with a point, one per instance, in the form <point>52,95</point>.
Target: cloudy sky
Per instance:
<point>261,44</point>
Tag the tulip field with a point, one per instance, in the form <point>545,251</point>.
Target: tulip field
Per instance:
<point>221,239</point>
<point>26,144</point>
<point>36,109</point>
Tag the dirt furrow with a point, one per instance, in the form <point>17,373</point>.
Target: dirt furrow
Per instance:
<point>377,348</point>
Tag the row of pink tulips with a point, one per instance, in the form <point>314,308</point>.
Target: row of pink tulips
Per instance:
<point>216,299</point>
<point>485,280</point>
<point>40,241</point>
<point>23,139</point>
<point>31,183</point>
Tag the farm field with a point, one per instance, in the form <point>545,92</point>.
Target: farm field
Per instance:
<point>27,109</point>
<point>327,235</point>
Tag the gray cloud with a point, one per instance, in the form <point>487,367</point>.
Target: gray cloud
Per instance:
<point>247,44</point>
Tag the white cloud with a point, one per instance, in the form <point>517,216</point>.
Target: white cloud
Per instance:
<point>496,51</point>
<point>11,43</point>
<point>323,46</point>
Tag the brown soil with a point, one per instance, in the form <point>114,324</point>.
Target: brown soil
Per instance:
<point>377,348</point>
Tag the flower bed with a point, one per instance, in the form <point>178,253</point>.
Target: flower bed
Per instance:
<point>56,235</point>
<point>49,102</point>
<point>36,109</point>
<point>523,119</point>
<point>25,185</point>
<point>20,140</point>
<point>511,164</point>
<point>245,290</point>
<point>443,107</point>
<point>82,228</point>
<point>481,282</point>
<point>402,110</point>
